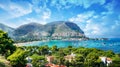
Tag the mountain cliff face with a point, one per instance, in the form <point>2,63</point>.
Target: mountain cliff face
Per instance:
<point>53,30</point>
<point>64,29</point>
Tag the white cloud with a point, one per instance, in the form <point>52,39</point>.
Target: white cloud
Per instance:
<point>42,16</point>
<point>98,25</point>
<point>17,23</point>
<point>116,25</point>
<point>90,25</point>
<point>28,20</point>
<point>43,12</point>
<point>82,17</point>
<point>16,10</point>
<point>93,30</point>
<point>31,20</point>
<point>39,5</point>
<point>46,15</point>
<point>109,7</point>
<point>85,3</point>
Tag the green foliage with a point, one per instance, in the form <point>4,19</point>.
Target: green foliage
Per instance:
<point>6,44</point>
<point>84,57</point>
<point>54,49</point>
<point>2,64</point>
<point>43,50</point>
<point>92,58</point>
<point>17,59</point>
<point>116,61</point>
<point>109,53</point>
<point>83,51</point>
<point>38,60</point>
<point>79,60</point>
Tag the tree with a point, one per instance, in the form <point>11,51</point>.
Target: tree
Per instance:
<point>109,53</point>
<point>83,51</point>
<point>79,59</point>
<point>38,60</point>
<point>116,61</point>
<point>92,59</point>
<point>67,63</point>
<point>17,59</point>
<point>54,49</point>
<point>68,50</point>
<point>43,50</point>
<point>59,56</point>
<point>6,44</point>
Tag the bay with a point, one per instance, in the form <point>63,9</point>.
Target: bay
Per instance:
<point>110,44</point>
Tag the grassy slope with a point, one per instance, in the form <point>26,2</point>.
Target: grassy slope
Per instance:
<point>4,62</point>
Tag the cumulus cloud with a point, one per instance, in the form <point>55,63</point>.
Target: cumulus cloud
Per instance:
<point>31,20</point>
<point>46,14</point>
<point>84,3</point>
<point>28,20</point>
<point>91,29</point>
<point>83,17</point>
<point>22,12</point>
<point>109,7</point>
<point>42,17</point>
<point>98,25</point>
<point>15,10</point>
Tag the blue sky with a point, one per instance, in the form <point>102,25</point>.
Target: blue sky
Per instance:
<point>97,18</point>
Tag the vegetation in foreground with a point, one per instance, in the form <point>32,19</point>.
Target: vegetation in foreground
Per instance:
<point>84,57</point>
<point>4,62</point>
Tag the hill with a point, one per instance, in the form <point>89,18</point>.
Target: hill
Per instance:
<point>53,30</point>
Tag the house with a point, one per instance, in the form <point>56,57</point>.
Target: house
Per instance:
<point>109,61</point>
<point>70,57</point>
<point>50,58</point>
<point>103,59</point>
<point>49,65</point>
<point>106,60</point>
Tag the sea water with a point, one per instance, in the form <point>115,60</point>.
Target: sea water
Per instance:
<point>110,44</point>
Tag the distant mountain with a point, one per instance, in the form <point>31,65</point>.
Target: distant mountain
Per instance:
<point>28,31</point>
<point>53,30</point>
<point>27,28</point>
<point>7,29</point>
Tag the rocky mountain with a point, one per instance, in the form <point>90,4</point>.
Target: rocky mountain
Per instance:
<point>64,29</point>
<point>53,30</point>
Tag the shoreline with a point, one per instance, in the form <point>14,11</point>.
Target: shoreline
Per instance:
<point>23,43</point>
<point>29,42</point>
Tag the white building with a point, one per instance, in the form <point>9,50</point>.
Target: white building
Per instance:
<point>106,60</point>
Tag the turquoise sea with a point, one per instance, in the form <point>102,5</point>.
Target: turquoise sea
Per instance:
<point>110,44</point>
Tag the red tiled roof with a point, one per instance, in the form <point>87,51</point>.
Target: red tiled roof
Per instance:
<point>49,65</point>
<point>58,66</point>
<point>53,65</point>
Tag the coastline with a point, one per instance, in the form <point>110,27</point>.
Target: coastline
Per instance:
<point>71,39</point>
<point>24,43</point>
